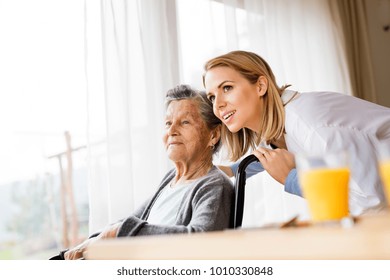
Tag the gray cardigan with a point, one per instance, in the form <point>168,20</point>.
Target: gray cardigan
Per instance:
<point>206,206</point>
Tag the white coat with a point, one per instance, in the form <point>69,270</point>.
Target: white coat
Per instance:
<point>324,122</point>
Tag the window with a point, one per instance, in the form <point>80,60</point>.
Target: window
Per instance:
<point>42,96</point>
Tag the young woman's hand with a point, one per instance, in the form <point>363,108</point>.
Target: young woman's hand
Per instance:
<point>278,163</point>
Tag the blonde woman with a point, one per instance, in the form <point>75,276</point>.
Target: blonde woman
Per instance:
<point>255,110</point>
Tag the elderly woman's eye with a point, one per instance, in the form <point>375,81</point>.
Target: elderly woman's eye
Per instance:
<point>167,124</point>
<point>185,122</point>
<point>211,98</point>
<point>227,88</point>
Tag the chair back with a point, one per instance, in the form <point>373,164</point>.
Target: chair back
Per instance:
<point>239,190</point>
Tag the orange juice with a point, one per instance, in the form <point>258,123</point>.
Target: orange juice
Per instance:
<point>326,191</point>
<point>384,167</point>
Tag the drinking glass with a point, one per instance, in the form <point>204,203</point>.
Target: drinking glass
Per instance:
<point>384,167</point>
<point>324,180</point>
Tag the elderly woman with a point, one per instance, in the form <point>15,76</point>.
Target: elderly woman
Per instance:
<point>194,196</point>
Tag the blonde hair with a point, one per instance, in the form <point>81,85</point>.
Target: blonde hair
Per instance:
<point>251,66</point>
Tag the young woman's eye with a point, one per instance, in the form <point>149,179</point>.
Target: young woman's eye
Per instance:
<point>227,88</point>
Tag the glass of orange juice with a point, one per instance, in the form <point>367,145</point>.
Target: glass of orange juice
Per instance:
<point>324,181</point>
<point>384,167</point>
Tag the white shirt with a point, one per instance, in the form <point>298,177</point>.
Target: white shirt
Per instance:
<point>323,122</point>
<point>166,206</point>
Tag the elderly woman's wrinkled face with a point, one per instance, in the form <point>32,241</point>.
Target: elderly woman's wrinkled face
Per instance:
<point>186,137</point>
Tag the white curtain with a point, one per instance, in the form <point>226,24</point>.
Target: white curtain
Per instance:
<point>130,64</point>
<point>136,50</point>
<point>299,41</point>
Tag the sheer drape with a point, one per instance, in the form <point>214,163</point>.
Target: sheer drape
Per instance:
<point>136,50</point>
<point>299,40</point>
<point>130,65</point>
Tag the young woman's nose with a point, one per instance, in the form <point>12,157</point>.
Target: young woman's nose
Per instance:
<point>219,101</point>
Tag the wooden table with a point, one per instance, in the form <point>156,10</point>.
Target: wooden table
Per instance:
<point>369,238</point>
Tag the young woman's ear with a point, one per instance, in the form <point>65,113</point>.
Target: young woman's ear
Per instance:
<point>262,85</point>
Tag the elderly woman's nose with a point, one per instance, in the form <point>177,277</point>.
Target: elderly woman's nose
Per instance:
<point>172,130</point>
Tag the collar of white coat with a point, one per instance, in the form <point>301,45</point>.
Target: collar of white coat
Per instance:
<point>288,95</point>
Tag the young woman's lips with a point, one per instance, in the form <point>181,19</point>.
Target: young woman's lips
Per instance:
<point>226,116</point>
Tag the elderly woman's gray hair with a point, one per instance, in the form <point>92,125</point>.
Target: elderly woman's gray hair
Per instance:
<point>182,92</point>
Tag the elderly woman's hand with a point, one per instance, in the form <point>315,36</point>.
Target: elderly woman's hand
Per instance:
<point>77,252</point>
<point>278,163</point>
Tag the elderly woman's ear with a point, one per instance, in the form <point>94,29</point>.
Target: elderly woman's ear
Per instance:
<point>215,136</point>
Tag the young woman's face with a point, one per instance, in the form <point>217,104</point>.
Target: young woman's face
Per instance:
<point>236,102</point>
